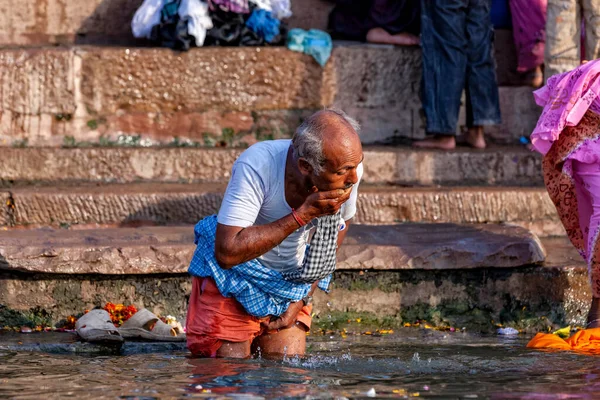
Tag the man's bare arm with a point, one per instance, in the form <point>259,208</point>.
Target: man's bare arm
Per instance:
<point>235,245</point>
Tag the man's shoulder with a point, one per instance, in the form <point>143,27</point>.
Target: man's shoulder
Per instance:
<point>263,154</point>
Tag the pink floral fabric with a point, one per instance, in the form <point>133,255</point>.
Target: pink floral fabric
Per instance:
<point>566,98</point>
<point>568,134</point>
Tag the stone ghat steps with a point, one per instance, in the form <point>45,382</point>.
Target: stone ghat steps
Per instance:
<point>465,274</point>
<point>497,165</point>
<point>108,22</point>
<point>137,204</point>
<point>56,95</point>
<point>158,250</point>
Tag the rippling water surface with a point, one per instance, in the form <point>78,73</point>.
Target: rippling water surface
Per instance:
<point>411,363</point>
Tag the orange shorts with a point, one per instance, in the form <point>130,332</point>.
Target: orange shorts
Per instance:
<point>213,319</point>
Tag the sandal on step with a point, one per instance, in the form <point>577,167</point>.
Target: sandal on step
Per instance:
<point>145,325</point>
<point>96,326</point>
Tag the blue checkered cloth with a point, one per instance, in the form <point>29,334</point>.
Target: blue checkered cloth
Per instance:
<point>261,290</point>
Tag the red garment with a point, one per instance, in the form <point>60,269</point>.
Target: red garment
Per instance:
<point>213,319</point>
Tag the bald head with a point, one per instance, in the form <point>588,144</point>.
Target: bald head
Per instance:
<point>323,136</point>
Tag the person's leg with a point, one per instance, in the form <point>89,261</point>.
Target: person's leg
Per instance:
<point>348,20</point>
<point>563,37</point>
<point>394,22</point>
<point>483,103</point>
<point>587,181</point>
<point>288,342</point>
<point>234,349</point>
<point>591,15</point>
<point>529,31</point>
<point>443,39</point>
<point>218,326</point>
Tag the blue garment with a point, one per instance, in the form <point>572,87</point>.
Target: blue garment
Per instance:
<point>261,290</point>
<point>457,41</point>
<point>500,14</point>
<point>313,42</point>
<point>263,24</point>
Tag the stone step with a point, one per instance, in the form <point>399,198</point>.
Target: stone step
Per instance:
<point>160,250</point>
<point>406,271</point>
<point>105,22</point>
<point>108,22</point>
<point>498,165</point>
<point>69,95</point>
<point>160,204</point>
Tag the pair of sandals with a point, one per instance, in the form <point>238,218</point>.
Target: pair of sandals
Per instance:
<point>97,327</point>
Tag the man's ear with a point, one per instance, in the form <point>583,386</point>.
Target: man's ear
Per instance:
<point>304,166</point>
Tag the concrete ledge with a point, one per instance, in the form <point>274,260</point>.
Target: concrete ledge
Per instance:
<point>160,250</point>
<point>159,204</point>
<point>235,95</point>
<point>383,165</point>
<point>463,297</point>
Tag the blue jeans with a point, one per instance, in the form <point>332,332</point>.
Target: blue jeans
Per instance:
<point>457,41</point>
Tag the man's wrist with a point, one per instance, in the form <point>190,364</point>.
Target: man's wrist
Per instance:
<point>299,220</point>
<point>302,214</point>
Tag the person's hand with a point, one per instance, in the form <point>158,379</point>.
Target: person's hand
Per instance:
<point>323,203</point>
<point>286,319</point>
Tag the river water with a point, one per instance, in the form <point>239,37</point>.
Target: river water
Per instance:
<point>409,363</point>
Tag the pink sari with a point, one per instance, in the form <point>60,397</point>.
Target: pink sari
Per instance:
<point>568,134</point>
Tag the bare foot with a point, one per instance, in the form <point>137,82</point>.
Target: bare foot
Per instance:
<point>437,142</point>
<point>593,319</point>
<point>380,35</point>
<point>474,137</point>
<point>537,79</point>
<point>406,39</point>
<point>533,77</point>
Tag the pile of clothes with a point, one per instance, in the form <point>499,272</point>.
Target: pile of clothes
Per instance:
<point>181,24</point>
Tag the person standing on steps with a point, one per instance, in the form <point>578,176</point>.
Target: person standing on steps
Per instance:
<point>563,34</point>
<point>529,32</point>
<point>568,135</point>
<point>457,43</point>
<point>255,267</point>
<point>394,22</point>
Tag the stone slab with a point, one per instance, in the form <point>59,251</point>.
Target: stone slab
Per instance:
<point>463,297</point>
<point>234,95</point>
<point>439,246</point>
<point>168,250</point>
<point>383,165</point>
<point>153,203</point>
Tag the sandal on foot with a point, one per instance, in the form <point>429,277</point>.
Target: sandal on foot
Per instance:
<point>145,325</point>
<point>96,326</point>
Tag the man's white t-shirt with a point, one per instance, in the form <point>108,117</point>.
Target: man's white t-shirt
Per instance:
<point>256,196</point>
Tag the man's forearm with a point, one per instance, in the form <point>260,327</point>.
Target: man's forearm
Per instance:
<point>233,248</point>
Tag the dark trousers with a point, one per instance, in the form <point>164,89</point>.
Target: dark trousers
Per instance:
<point>352,19</point>
<point>457,42</point>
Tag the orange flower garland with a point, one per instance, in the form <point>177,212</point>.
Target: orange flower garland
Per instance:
<point>119,313</point>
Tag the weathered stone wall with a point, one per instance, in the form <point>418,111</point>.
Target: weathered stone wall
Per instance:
<point>231,95</point>
<point>383,166</point>
<point>471,298</point>
<point>126,205</point>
